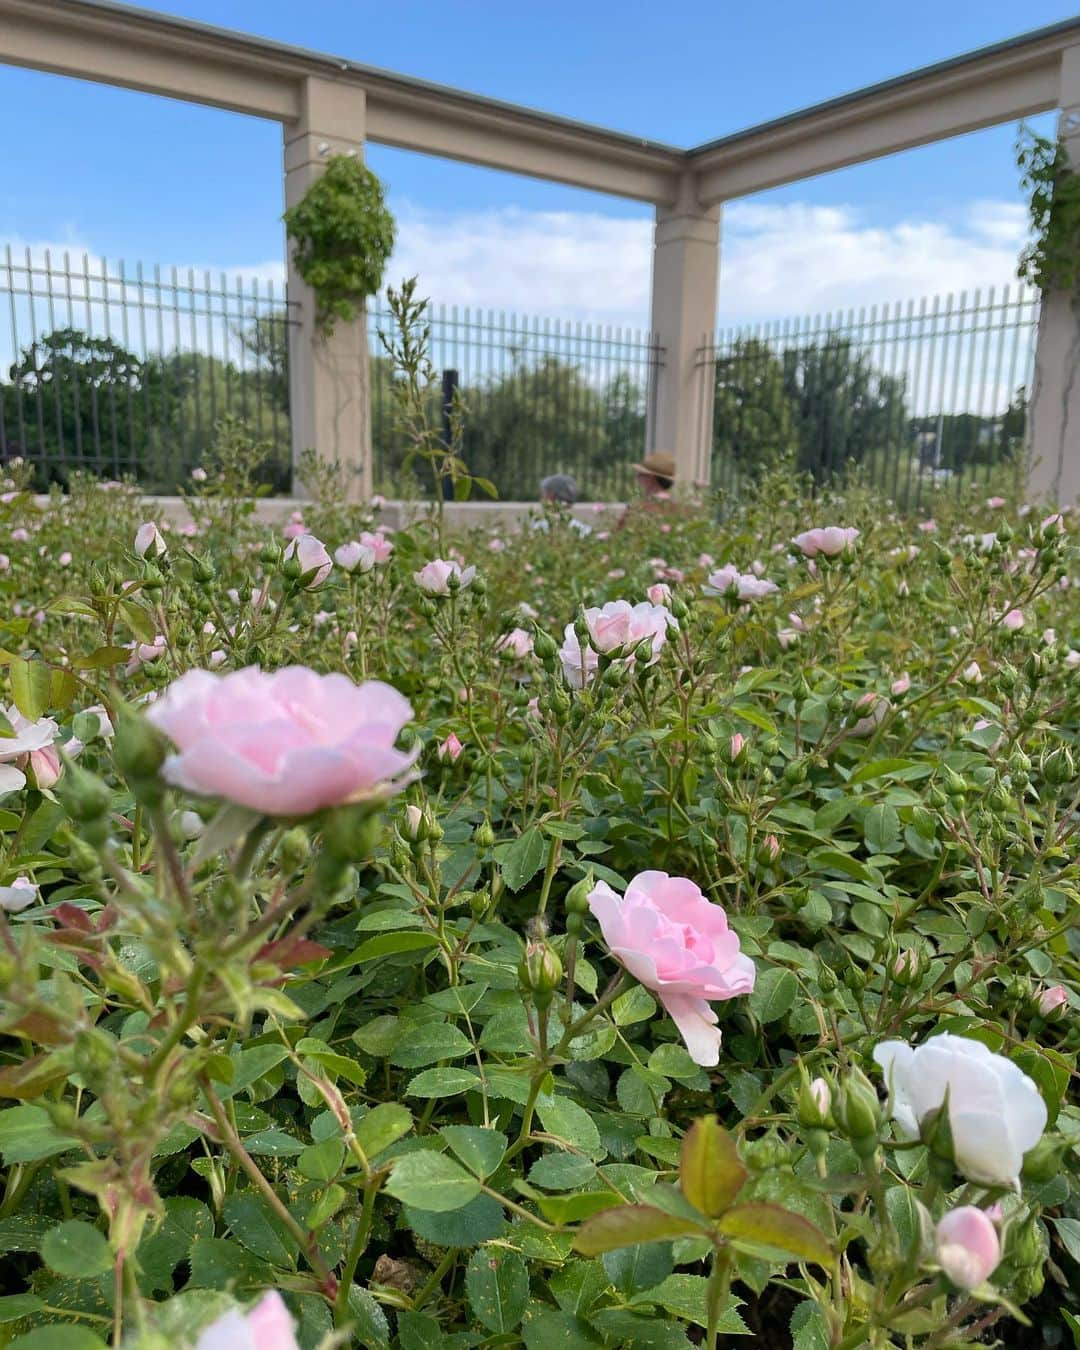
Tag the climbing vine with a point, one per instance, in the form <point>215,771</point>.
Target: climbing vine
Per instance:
<point>1051,261</point>
<point>342,234</point>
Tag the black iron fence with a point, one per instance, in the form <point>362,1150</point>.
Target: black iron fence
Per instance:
<point>922,397</point>
<point>116,371</point>
<point>541,396</point>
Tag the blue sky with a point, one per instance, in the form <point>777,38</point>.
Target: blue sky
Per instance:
<point>125,175</point>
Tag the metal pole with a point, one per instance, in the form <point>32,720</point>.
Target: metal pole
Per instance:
<point>449,387</point>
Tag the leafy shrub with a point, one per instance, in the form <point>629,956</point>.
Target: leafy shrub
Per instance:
<point>406,1056</point>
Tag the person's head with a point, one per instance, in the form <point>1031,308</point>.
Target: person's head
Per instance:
<point>656,473</point>
<point>559,487</point>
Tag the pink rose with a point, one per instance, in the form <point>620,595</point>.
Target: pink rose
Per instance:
<point>314,561</point>
<point>928,526</point>
<point>439,577</point>
<point>1014,620</point>
<point>65,559</point>
<point>830,540</point>
<point>725,581</point>
<point>354,557</point>
<point>821,1094</point>
<point>901,685</point>
<point>678,944</point>
<point>198,474</point>
<point>378,502</point>
<point>266,1326</point>
<point>149,542</point>
<point>45,766</point>
<point>518,643</point>
<point>995,503</point>
<point>287,742</point>
<point>968,1248</point>
<point>1050,1000</point>
<point>18,895</point>
<point>613,627</point>
<point>496,545</point>
<point>756,588</point>
<point>20,535</point>
<point>450,749</point>
<point>295,529</point>
<point>875,708</point>
<point>659,593</point>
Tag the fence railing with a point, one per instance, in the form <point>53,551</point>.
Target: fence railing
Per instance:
<point>541,396</point>
<point>117,371</point>
<point>922,396</point>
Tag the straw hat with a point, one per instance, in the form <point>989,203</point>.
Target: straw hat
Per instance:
<point>660,465</point>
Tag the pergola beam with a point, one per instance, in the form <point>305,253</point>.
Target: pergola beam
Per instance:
<point>984,88</point>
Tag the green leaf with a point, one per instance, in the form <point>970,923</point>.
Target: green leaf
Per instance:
<point>497,1283</point>
<point>625,1327</point>
<point>428,1043</point>
<point>636,1005</point>
<point>389,944</point>
<point>776,1229</point>
<point>101,657</point>
<point>321,1162</point>
<point>1073,1324</point>
<point>258,1228</point>
<point>889,768</point>
<point>639,1267</point>
<point>685,1296</point>
<point>521,859</point>
<point>442,1083</point>
<point>1068,1230</point>
<point>480,1150</point>
<point>251,1065</point>
<point>881,829</point>
<point>273,1144</point>
<point>567,1121</point>
<point>76,1249</point>
<point>480,1220</point>
<point>30,683</point>
<point>27,1135</point>
<point>383,1125</point>
<point>711,1173</point>
<point>562,1209</point>
<point>14,1307</point>
<point>370,1327</point>
<point>431,1181</point>
<point>562,1172</point>
<point>54,1337</point>
<point>629,1225</point>
<point>546,1329</point>
<point>774,993</point>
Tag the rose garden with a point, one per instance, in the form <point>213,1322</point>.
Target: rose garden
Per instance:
<point>410,939</point>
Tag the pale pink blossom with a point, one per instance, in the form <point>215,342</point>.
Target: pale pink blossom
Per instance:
<point>1072,658</point>
<point>829,540</point>
<point>1050,1000</point>
<point>266,1326</point>
<point>821,1095</point>
<point>1053,524</point>
<point>1013,620</point>
<point>378,501</point>
<point>440,577</point>
<point>517,643</point>
<point>677,944</point>
<point>149,542</point>
<point>756,588</point>
<point>659,593</point>
<point>286,742</point>
<point>144,652</point>
<point>901,684</point>
<point>5,562</point>
<point>15,751</point>
<point>354,557</point>
<point>786,636</point>
<point>217,658</point>
<point>198,474</point>
<point>65,559</point>
<point>617,574</point>
<point>17,895</point>
<point>295,529</point>
<point>496,545</point>
<point>705,560</point>
<point>875,708</point>
<point>616,626</point>
<point>19,535</point>
<point>928,526</point>
<point>967,1246</point>
<point>736,746</point>
<point>724,581</point>
<point>312,558</point>
<point>450,749</point>
<point>995,503</point>
<point>972,673</point>
<point>1049,636</point>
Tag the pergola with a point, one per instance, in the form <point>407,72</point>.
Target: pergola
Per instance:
<point>326,105</point>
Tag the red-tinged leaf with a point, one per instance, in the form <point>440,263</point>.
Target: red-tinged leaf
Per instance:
<point>287,952</point>
<point>71,916</point>
<point>711,1173</point>
<point>771,1226</point>
<point>628,1225</point>
<point>32,1077</point>
<point>40,1027</point>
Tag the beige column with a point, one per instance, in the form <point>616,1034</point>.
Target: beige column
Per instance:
<point>1054,407</point>
<point>328,376</point>
<point>685,274</point>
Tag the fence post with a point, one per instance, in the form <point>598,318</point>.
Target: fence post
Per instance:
<point>1054,404</point>
<point>686,262</point>
<point>449,389</point>
<point>329,381</point>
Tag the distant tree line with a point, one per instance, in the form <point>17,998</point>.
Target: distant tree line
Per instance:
<point>74,401</point>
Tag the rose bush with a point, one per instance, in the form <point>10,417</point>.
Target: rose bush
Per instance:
<point>495,951</point>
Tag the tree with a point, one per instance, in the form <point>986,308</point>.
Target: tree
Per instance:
<point>753,413</point>
<point>845,410</point>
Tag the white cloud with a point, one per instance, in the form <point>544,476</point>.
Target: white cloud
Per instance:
<point>776,260</point>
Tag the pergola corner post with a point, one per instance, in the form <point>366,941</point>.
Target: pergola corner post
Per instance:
<point>328,374</point>
<point>1053,439</point>
<point>685,276</point>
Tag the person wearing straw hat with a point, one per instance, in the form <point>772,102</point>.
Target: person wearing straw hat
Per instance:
<point>656,474</point>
